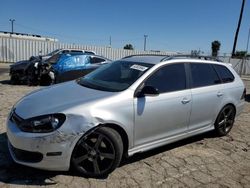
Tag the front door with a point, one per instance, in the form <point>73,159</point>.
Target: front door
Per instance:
<point>165,115</point>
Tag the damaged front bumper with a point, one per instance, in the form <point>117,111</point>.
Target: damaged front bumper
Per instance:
<point>48,151</point>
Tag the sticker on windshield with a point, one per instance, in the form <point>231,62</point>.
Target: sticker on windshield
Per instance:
<point>139,67</point>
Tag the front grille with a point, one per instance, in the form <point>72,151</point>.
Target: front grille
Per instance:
<point>16,119</point>
<point>26,156</point>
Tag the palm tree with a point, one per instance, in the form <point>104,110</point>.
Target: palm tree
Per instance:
<point>238,28</point>
<point>215,48</point>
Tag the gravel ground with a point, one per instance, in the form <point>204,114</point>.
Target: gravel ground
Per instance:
<point>201,161</point>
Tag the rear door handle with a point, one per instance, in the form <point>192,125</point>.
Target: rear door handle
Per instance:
<point>219,94</point>
<point>185,100</point>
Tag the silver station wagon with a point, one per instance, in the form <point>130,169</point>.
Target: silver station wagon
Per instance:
<point>128,106</point>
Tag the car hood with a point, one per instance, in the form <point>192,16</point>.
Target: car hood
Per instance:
<point>57,98</point>
<point>20,65</point>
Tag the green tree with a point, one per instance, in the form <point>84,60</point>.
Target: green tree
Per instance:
<point>215,48</point>
<point>240,54</point>
<point>128,47</point>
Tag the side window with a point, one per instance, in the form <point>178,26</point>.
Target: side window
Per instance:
<point>203,75</point>
<point>64,52</point>
<point>225,74</point>
<point>74,52</point>
<point>95,60</point>
<point>168,78</point>
<point>53,59</point>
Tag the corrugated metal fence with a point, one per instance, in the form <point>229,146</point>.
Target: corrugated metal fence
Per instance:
<point>13,49</point>
<point>241,66</point>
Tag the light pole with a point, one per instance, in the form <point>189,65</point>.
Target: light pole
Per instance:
<point>248,40</point>
<point>238,28</point>
<point>110,41</point>
<point>145,42</point>
<point>12,24</point>
<point>244,58</point>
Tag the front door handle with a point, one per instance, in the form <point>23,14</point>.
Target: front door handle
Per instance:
<point>219,94</point>
<point>185,100</point>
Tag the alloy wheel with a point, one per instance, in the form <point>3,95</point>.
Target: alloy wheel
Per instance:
<point>96,154</point>
<point>225,120</point>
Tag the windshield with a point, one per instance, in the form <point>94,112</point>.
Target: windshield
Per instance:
<point>116,76</point>
<point>53,59</point>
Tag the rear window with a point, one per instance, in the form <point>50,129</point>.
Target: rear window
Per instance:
<point>203,75</point>
<point>94,60</point>
<point>225,74</point>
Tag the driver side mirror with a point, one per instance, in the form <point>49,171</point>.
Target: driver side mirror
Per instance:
<point>147,91</point>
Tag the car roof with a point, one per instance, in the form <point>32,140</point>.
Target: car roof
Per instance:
<point>155,59</point>
<point>75,49</point>
<point>72,49</point>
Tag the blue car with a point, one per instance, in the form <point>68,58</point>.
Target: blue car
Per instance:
<point>67,67</point>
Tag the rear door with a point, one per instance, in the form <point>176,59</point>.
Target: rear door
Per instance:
<point>207,95</point>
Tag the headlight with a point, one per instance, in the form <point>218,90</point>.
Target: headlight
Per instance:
<point>43,124</point>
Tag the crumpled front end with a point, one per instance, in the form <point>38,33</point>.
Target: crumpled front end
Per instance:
<point>49,151</point>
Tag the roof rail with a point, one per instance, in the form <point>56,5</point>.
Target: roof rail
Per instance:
<point>145,55</point>
<point>169,57</point>
<point>191,56</point>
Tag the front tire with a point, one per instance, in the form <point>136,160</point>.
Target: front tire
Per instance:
<point>14,80</point>
<point>98,154</point>
<point>225,120</point>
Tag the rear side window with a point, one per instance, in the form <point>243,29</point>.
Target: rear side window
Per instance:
<point>65,52</point>
<point>225,74</point>
<point>168,78</point>
<point>203,75</point>
<point>95,60</point>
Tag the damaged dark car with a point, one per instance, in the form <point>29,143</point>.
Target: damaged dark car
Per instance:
<point>56,69</point>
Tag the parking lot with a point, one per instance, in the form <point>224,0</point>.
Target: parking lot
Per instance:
<point>201,161</point>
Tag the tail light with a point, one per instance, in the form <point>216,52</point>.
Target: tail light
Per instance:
<point>244,94</point>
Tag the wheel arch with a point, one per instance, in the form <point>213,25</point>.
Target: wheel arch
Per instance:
<point>123,135</point>
<point>117,128</point>
<point>230,104</point>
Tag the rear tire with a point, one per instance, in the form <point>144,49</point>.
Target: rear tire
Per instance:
<point>98,154</point>
<point>225,120</point>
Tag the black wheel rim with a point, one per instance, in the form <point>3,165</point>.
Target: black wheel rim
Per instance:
<point>226,119</point>
<point>94,155</point>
